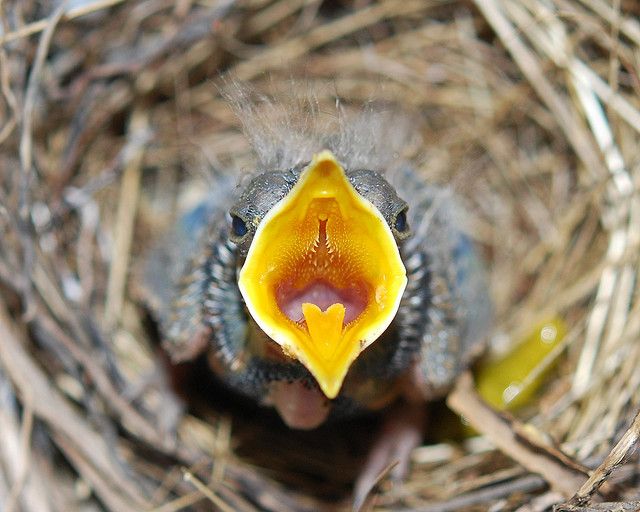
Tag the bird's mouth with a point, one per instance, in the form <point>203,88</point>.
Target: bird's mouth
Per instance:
<point>323,276</point>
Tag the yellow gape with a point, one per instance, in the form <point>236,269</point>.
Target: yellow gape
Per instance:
<point>323,277</point>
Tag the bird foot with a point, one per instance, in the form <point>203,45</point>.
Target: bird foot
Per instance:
<point>390,454</point>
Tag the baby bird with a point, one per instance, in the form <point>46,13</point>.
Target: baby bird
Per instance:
<point>332,280</point>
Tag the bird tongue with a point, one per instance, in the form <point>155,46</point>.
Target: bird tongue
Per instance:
<point>325,327</point>
<point>325,310</point>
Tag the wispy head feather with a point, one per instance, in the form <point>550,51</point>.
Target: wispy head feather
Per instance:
<point>289,131</point>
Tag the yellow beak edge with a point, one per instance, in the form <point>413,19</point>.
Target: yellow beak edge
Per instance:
<point>323,277</point>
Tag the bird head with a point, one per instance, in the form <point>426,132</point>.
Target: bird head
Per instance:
<point>322,274</point>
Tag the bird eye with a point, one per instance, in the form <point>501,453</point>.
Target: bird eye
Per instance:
<point>401,221</point>
<point>238,226</point>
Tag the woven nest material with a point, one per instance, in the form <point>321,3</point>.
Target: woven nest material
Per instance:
<point>529,109</point>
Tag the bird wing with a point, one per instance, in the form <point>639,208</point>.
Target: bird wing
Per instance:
<point>177,272</point>
<point>447,311</point>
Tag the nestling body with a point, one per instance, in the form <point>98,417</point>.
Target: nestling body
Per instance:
<point>331,281</point>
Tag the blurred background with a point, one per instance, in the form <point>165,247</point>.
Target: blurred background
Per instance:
<point>111,119</point>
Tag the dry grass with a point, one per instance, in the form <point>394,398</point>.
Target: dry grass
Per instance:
<point>529,108</point>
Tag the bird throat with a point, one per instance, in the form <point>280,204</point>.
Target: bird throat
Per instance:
<point>324,286</point>
<point>326,273</point>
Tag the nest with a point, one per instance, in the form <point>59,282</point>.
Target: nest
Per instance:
<point>529,109</point>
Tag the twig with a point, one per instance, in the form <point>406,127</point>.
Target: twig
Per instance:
<point>112,496</point>
<point>15,449</point>
<point>623,449</point>
<point>284,53</point>
<point>473,499</point>
<point>127,207</point>
<point>628,26</point>
<point>40,25</point>
<point>627,506</point>
<point>55,410</point>
<point>208,493</point>
<point>26,149</point>
<point>561,473</point>
<point>619,194</point>
<point>530,67</point>
<point>9,96</point>
<point>25,460</point>
<point>180,503</point>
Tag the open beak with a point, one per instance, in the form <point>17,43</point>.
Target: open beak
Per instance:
<point>323,277</point>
